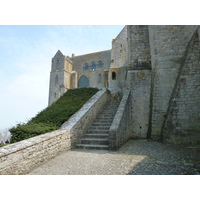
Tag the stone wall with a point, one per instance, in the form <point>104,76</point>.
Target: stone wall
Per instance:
<point>119,132</point>
<point>60,76</point>
<point>168,44</point>
<point>182,120</point>
<point>139,82</point>
<point>119,52</point>
<point>119,63</point>
<point>21,157</point>
<point>93,75</point>
<point>139,47</point>
<point>80,121</point>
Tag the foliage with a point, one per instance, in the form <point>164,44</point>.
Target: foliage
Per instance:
<point>53,116</point>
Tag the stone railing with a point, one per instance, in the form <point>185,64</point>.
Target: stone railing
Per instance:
<point>23,156</point>
<point>80,121</point>
<point>119,132</point>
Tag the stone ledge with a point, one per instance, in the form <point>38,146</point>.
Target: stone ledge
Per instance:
<point>18,146</point>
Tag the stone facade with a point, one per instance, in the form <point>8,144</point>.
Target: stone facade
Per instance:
<point>183,117</point>
<point>158,64</point>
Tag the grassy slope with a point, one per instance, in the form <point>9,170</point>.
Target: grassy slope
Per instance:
<point>53,116</point>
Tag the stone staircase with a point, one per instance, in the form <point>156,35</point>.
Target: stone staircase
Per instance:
<point>97,136</point>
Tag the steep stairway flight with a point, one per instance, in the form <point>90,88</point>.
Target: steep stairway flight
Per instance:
<point>97,136</point>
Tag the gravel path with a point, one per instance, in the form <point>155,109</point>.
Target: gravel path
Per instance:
<point>140,157</point>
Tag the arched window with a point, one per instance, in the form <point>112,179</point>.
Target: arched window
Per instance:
<point>100,64</point>
<point>113,75</point>
<point>56,80</point>
<point>86,67</point>
<point>99,78</point>
<point>93,66</point>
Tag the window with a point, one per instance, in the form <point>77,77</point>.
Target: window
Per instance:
<point>99,78</point>
<point>86,67</point>
<point>57,63</point>
<point>93,66</point>
<point>113,75</point>
<point>100,64</point>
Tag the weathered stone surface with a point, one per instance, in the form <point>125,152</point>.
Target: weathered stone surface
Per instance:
<point>119,132</point>
<point>160,65</point>
<point>140,157</point>
<point>80,121</point>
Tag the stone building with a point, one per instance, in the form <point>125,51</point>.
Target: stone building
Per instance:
<point>161,67</point>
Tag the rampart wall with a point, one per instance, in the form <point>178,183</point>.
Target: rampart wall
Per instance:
<point>167,49</point>
<point>139,82</point>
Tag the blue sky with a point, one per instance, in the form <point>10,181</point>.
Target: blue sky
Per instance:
<point>25,54</point>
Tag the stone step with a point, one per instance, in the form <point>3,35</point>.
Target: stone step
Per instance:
<point>101,141</point>
<point>107,113</point>
<point>99,127</point>
<point>97,131</point>
<point>101,124</point>
<point>103,121</point>
<point>90,146</point>
<point>105,118</point>
<point>97,135</point>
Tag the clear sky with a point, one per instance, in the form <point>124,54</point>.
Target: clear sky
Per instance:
<point>25,62</point>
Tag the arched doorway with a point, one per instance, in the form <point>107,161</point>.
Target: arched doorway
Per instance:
<point>83,82</point>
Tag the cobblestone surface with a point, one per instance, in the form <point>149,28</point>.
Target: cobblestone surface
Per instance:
<point>137,157</point>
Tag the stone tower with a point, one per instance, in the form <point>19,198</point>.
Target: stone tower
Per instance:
<point>62,76</point>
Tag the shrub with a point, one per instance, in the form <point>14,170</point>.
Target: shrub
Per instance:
<point>53,116</point>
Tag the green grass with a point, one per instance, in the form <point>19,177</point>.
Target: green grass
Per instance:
<point>53,116</point>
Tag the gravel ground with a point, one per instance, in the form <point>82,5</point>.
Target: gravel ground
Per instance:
<point>137,157</point>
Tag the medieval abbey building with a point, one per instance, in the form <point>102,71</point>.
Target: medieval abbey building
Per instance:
<point>160,65</point>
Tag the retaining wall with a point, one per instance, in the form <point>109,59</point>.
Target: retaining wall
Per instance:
<point>23,156</point>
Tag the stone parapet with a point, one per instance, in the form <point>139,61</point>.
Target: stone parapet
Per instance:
<point>21,157</point>
<point>119,132</point>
